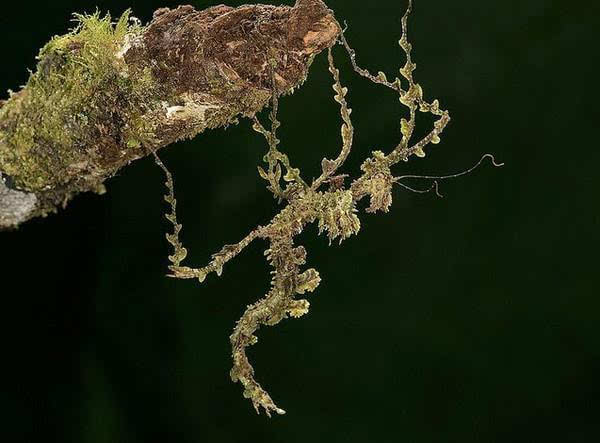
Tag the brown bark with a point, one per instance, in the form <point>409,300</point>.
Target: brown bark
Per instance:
<point>185,72</point>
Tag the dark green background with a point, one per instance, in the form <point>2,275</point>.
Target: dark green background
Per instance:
<point>472,318</point>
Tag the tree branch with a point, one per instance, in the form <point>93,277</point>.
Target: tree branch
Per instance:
<point>109,93</point>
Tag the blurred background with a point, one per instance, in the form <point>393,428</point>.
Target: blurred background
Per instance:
<point>471,318</point>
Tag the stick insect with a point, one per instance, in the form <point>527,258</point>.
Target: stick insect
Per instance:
<point>327,200</point>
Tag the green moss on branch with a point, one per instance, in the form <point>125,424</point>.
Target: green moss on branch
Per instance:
<point>108,93</point>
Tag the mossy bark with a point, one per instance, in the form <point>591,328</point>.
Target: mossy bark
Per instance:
<point>109,93</point>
